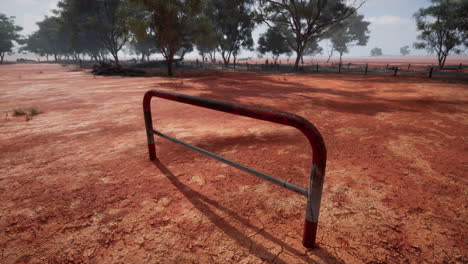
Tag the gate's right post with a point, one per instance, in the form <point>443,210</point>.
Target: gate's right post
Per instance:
<point>149,125</point>
<point>314,196</point>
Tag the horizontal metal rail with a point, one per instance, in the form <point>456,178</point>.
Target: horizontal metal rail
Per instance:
<point>234,164</point>
<point>314,191</point>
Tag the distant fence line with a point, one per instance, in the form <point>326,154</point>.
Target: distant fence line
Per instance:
<point>394,69</point>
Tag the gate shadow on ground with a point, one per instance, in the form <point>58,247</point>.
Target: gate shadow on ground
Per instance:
<point>201,202</point>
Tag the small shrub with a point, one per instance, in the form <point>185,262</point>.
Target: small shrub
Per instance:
<point>33,111</point>
<point>27,113</point>
<point>19,112</point>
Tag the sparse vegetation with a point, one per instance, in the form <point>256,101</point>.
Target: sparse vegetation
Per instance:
<point>19,112</point>
<point>28,113</point>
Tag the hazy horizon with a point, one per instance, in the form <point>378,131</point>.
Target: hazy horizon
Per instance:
<point>392,25</point>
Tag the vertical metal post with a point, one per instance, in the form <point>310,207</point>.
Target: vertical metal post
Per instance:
<point>149,126</point>
<point>314,197</point>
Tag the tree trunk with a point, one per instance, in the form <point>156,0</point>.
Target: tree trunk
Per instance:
<point>142,57</point>
<point>116,58</point>
<point>169,66</point>
<point>341,56</point>
<point>2,55</point>
<point>331,54</point>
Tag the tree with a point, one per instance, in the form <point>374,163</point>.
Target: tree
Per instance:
<point>48,39</point>
<point>444,28</point>
<point>376,52</point>
<point>8,35</point>
<point>307,20</point>
<point>404,50</point>
<point>350,32</point>
<point>233,22</point>
<point>111,22</point>
<point>78,21</point>
<point>274,42</point>
<point>205,38</point>
<point>172,23</point>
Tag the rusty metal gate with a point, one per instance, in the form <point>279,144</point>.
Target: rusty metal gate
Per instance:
<point>319,152</point>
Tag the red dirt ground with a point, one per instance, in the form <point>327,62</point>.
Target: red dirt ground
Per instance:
<point>76,185</point>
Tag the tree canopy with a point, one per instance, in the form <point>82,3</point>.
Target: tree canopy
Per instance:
<point>307,20</point>
<point>405,50</point>
<point>274,41</point>
<point>443,27</point>
<point>376,51</point>
<point>9,33</point>
<point>350,32</point>
<point>233,23</point>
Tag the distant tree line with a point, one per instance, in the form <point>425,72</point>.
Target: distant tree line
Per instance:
<point>223,28</point>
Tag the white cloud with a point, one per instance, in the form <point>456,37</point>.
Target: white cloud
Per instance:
<point>388,20</point>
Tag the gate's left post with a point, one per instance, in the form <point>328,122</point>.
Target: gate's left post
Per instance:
<point>149,125</point>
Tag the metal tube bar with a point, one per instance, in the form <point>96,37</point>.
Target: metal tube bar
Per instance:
<point>234,164</point>
<point>319,152</point>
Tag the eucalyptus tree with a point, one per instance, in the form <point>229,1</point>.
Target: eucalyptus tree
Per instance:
<point>376,52</point>
<point>350,32</point>
<point>233,21</point>
<point>205,38</point>
<point>405,50</point>
<point>9,34</point>
<point>172,22</point>
<point>307,20</point>
<point>444,28</point>
<point>273,41</point>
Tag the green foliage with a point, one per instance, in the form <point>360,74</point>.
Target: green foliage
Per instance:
<point>205,37</point>
<point>19,112</point>
<point>444,28</point>
<point>173,24</point>
<point>307,20</point>
<point>34,111</point>
<point>405,50</point>
<point>376,52</point>
<point>350,32</point>
<point>8,35</point>
<point>233,22</point>
<point>28,114</point>
<point>274,41</point>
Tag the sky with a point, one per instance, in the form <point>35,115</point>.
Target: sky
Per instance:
<point>392,23</point>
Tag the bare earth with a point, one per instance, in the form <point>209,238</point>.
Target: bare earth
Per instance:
<point>76,185</point>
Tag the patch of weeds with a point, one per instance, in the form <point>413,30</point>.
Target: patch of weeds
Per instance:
<point>28,114</point>
<point>34,111</point>
<point>19,112</point>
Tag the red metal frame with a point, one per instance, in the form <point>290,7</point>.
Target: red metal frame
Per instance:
<point>319,152</point>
